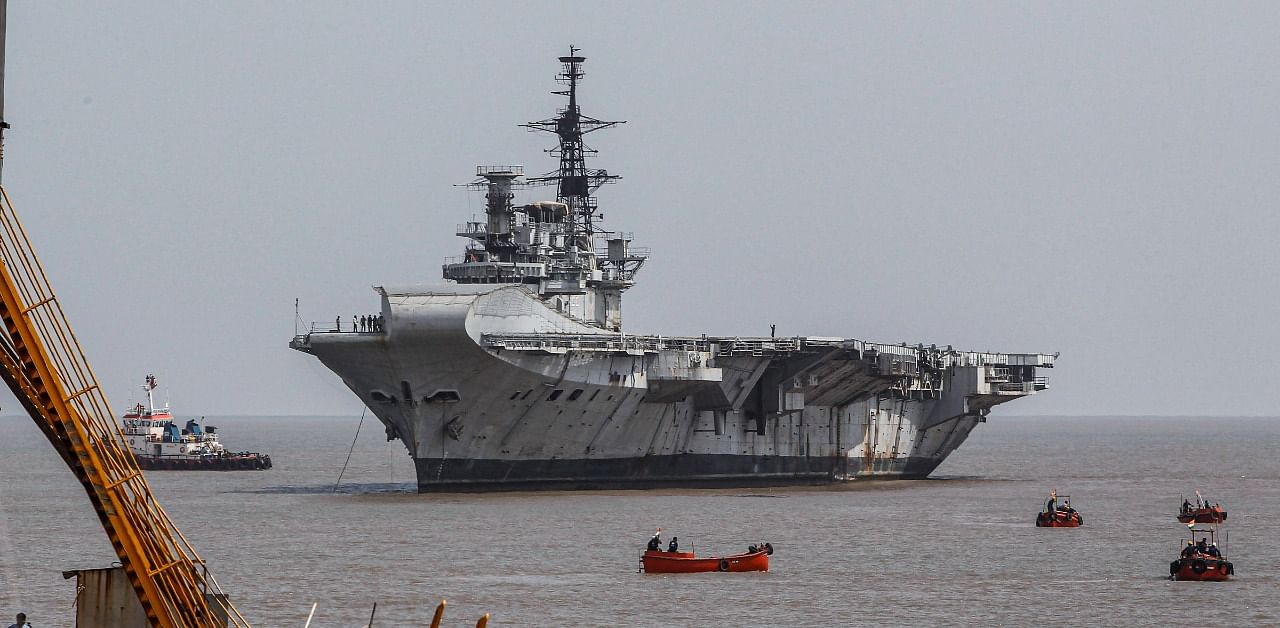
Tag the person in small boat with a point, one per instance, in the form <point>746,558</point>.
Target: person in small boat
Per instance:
<point>1189,549</point>
<point>1186,505</point>
<point>655,542</point>
<point>1201,548</point>
<point>1213,550</point>
<point>675,545</point>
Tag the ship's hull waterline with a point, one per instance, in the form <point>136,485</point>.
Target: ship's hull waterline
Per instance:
<point>490,389</point>
<point>683,471</point>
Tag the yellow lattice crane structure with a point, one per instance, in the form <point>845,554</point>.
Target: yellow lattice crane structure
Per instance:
<point>46,369</point>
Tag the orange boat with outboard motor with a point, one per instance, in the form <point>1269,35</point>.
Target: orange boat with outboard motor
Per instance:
<point>658,561</point>
<point>1057,515</point>
<point>1202,560</point>
<point>1201,511</point>
<point>655,560</point>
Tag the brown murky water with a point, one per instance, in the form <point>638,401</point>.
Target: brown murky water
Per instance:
<point>959,549</point>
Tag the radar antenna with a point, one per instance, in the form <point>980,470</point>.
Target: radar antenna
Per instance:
<point>574,181</point>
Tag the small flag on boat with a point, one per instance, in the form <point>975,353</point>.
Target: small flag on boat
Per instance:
<point>1192,525</point>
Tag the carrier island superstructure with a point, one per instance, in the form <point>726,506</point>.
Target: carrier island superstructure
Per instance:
<point>517,375</point>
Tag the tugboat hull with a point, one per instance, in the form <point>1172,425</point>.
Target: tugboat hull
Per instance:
<point>1199,568</point>
<point>1203,515</point>
<point>1059,520</point>
<point>229,463</point>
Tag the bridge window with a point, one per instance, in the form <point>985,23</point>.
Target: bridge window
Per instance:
<point>573,396</point>
<point>555,394</point>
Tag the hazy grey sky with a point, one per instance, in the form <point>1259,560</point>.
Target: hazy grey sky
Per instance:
<point>1095,179</point>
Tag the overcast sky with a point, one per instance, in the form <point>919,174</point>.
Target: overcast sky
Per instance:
<point>1095,179</point>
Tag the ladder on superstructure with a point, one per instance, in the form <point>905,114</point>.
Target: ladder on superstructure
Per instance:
<point>46,369</point>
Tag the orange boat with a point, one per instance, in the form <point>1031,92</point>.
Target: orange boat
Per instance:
<point>1201,560</point>
<point>1201,512</point>
<point>658,561</point>
<point>1057,515</point>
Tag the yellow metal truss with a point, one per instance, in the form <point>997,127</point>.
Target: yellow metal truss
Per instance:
<point>46,369</point>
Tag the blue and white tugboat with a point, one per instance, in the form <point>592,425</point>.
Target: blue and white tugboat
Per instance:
<point>158,443</point>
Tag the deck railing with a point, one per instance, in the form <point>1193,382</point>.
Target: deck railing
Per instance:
<point>758,346</point>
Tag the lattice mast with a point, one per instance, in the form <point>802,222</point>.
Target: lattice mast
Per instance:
<point>575,183</point>
<point>44,365</point>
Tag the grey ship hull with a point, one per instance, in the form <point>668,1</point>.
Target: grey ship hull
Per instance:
<point>682,470</point>
<point>491,389</point>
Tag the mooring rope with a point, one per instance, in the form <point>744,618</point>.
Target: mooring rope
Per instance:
<point>353,448</point>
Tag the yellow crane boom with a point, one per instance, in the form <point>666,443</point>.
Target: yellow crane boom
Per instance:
<point>46,368</point>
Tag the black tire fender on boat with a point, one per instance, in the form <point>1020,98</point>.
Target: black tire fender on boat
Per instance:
<point>768,549</point>
<point>1173,567</point>
<point>724,565</point>
<point>1198,565</point>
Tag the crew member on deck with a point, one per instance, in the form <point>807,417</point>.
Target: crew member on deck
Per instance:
<point>674,546</point>
<point>1186,505</point>
<point>1189,549</point>
<point>655,543</point>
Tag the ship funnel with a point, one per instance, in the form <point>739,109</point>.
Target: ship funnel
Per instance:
<point>499,181</point>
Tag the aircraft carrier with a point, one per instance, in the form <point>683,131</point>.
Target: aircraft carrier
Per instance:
<point>517,375</point>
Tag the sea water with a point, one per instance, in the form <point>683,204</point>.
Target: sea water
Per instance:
<point>958,549</point>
